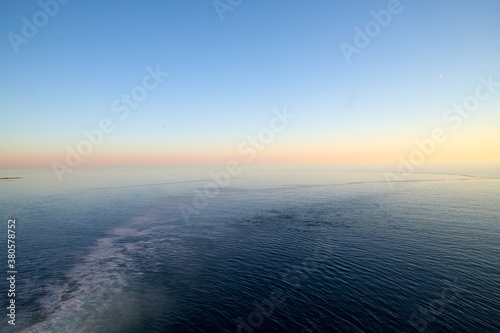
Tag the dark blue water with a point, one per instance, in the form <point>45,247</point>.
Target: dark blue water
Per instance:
<point>274,251</point>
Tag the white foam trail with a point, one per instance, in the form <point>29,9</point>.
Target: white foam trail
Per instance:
<point>91,285</point>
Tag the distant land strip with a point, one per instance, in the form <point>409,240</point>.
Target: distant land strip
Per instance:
<point>10,177</point>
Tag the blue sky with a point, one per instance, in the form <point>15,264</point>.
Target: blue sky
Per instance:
<point>226,77</point>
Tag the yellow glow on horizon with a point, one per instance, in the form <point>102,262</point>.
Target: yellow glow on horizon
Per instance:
<point>481,147</point>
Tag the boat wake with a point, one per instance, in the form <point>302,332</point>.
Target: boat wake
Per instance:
<point>92,286</point>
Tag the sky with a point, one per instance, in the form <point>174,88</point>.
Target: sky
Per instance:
<point>357,81</point>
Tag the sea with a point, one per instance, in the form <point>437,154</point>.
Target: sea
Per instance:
<point>260,249</point>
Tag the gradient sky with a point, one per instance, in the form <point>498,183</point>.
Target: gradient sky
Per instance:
<point>227,76</point>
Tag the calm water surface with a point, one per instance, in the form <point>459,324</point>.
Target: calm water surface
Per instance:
<point>276,250</point>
